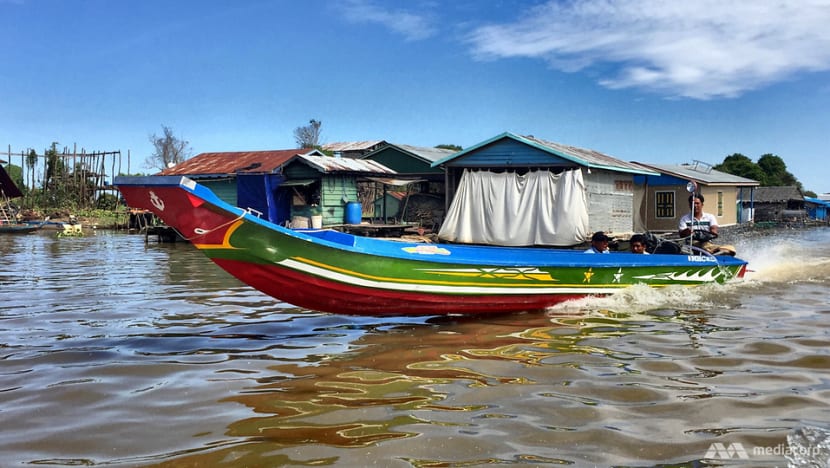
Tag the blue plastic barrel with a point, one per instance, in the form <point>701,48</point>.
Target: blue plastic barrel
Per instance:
<point>354,212</point>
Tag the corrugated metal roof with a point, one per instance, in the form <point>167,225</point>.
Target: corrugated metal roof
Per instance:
<point>329,164</point>
<point>226,163</point>
<point>588,157</point>
<point>426,153</point>
<point>581,156</point>
<point>352,145</point>
<point>701,173</point>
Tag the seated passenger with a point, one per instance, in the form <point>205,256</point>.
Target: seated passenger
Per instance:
<point>599,243</point>
<point>638,244</point>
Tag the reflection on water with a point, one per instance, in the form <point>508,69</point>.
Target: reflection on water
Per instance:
<point>118,353</point>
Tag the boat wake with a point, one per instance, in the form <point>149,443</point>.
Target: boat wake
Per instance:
<point>787,260</point>
<point>774,260</point>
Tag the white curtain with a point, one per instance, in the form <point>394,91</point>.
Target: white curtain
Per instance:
<point>538,208</point>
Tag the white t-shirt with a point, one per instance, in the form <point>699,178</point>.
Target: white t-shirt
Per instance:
<point>705,222</point>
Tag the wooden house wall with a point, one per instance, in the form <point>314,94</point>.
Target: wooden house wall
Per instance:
<point>728,216</point>
<point>335,191</point>
<point>403,163</point>
<point>298,170</point>
<point>506,153</point>
<point>818,212</point>
<point>393,206</point>
<point>225,189</point>
<point>779,211</point>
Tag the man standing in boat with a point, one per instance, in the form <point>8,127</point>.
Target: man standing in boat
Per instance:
<point>702,226</point>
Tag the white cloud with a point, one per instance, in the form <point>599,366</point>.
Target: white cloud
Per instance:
<point>411,26</point>
<point>700,49</point>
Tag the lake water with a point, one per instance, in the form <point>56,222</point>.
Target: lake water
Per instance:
<point>117,353</point>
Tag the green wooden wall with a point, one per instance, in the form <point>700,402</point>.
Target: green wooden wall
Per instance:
<point>403,163</point>
<point>336,191</point>
<point>225,189</point>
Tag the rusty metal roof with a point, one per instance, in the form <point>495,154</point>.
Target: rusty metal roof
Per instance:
<point>233,162</point>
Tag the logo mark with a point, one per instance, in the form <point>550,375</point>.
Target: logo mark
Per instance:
<point>726,452</point>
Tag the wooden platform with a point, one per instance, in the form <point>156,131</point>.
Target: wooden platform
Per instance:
<point>164,234</point>
<point>374,230</point>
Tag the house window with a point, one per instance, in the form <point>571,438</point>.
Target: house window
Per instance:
<point>664,204</point>
<point>720,203</point>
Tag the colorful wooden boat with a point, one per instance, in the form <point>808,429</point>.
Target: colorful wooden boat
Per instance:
<point>331,271</point>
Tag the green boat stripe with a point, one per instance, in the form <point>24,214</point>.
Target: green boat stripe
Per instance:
<point>445,289</point>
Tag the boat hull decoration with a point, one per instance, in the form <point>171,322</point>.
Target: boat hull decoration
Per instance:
<point>331,271</point>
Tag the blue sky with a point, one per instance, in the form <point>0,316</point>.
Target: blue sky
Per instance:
<point>651,81</point>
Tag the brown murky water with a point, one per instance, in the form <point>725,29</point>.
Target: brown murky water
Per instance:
<point>117,353</point>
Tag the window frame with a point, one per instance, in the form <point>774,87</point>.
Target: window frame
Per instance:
<point>666,209</point>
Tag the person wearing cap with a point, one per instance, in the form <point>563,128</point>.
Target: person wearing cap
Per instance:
<point>599,243</point>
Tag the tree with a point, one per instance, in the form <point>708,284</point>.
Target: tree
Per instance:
<point>775,172</point>
<point>31,164</point>
<point>450,147</point>
<point>309,135</point>
<point>168,150</point>
<point>54,165</point>
<point>770,171</point>
<point>740,165</point>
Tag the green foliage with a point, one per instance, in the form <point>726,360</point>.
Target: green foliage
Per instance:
<point>776,171</point>
<point>740,165</point>
<point>103,218</point>
<point>107,201</point>
<point>770,170</point>
<point>450,147</point>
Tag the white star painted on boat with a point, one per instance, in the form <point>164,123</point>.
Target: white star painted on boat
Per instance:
<point>617,276</point>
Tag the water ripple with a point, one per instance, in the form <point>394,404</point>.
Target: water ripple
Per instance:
<point>119,353</point>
